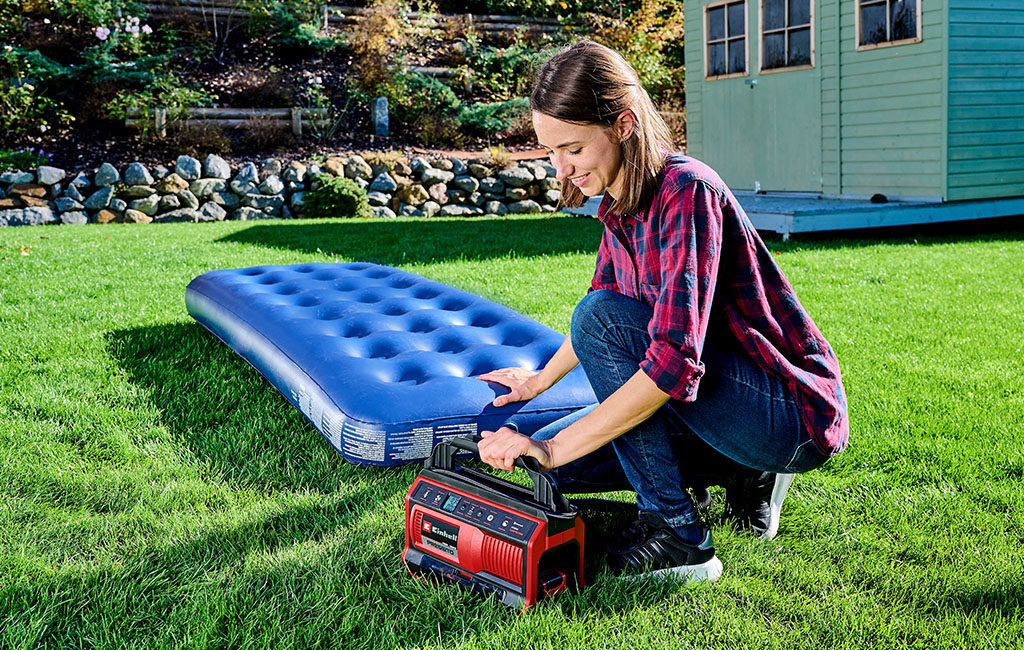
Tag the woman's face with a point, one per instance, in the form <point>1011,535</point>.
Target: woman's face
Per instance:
<point>586,155</point>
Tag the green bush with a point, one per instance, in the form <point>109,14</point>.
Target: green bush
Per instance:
<point>505,73</point>
<point>336,196</point>
<point>491,118</point>
<point>22,160</point>
<point>295,29</point>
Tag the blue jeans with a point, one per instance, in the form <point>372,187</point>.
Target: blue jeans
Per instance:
<point>743,417</point>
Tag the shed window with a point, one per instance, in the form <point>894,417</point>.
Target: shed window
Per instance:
<point>785,34</point>
<point>725,34</point>
<point>888,22</point>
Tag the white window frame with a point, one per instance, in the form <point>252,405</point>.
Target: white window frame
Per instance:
<point>746,40</point>
<point>760,44</point>
<point>874,46</point>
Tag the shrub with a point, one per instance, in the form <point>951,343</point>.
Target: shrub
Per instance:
<point>378,41</point>
<point>25,109</point>
<point>336,196</point>
<point>505,73</point>
<point>491,118</point>
<point>22,159</point>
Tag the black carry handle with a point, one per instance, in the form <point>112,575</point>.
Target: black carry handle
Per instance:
<point>545,492</point>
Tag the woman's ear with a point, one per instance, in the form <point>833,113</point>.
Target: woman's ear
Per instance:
<point>625,125</point>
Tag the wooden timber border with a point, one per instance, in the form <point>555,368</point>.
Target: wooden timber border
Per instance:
<point>336,15</point>
<point>229,118</point>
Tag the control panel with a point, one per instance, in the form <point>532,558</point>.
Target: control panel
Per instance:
<point>483,515</point>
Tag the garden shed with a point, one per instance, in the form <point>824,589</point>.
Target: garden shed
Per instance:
<point>916,100</point>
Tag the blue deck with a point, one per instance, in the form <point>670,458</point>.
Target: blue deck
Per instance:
<point>795,213</point>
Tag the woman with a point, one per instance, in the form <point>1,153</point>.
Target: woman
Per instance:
<point>706,367</point>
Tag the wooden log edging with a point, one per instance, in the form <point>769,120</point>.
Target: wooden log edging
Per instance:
<point>296,118</point>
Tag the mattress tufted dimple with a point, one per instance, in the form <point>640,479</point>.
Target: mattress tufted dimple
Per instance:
<point>381,361</point>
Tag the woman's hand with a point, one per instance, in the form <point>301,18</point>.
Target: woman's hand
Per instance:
<point>501,448</point>
<point>523,383</point>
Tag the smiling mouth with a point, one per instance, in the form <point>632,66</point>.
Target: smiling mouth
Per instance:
<point>579,180</point>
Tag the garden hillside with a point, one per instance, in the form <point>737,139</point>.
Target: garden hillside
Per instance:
<point>72,73</point>
<point>157,492</point>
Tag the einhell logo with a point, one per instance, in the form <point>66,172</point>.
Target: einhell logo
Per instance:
<point>426,526</point>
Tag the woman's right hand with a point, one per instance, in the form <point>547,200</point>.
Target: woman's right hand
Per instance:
<point>524,384</point>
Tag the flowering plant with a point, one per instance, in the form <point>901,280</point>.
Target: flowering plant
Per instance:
<point>124,35</point>
<point>25,110</point>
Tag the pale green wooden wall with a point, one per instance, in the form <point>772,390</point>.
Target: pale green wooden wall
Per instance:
<point>892,107</point>
<point>986,99</point>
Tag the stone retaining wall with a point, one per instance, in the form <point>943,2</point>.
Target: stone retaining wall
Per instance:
<point>210,190</point>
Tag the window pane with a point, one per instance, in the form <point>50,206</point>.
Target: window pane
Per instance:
<point>800,46</point>
<point>904,19</point>
<point>716,23</point>
<point>774,51</point>
<point>716,59</point>
<point>799,12</point>
<point>737,55</point>
<point>736,20</point>
<point>872,25</point>
<point>774,14</point>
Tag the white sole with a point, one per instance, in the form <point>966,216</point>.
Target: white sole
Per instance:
<point>707,572</point>
<point>782,483</point>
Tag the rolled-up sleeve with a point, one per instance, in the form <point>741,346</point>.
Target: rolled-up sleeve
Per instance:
<point>690,250</point>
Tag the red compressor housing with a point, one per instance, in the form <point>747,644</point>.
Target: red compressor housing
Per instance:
<point>491,535</point>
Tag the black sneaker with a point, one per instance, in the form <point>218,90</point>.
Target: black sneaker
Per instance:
<point>754,502</point>
<point>657,551</point>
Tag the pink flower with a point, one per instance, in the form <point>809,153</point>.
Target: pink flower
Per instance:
<point>146,29</point>
<point>102,33</point>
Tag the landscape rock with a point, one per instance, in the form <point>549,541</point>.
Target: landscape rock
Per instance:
<point>522,207</point>
<point>516,193</point>
<point>106,175</point>
<point>418,164</point>
<point>17,177</point>
<point>444,164</point>
<point>407,210</point>
<point>188,168</point>
<point>477,199</point>
<point>72,193</point>
<point>136,192</point>
<point>458,167</point>
<point>207,186</point>
<point>226,199</point>
<point>433,176</point>
<point>46,175</point>
<point>271,185</point>
<point>216,167</point>
<point>74,219</point>
<point>295,172</point>
<point>270,167</point>
<point>356,167</point>
<point>106,216</point>
<point>212,212</point>
<point>169,202</point>
<point>33,201</point>
<point>250,214</point>
<point>27,189</point>
<point>67,204</point>
<point>148,205</point>
<point>27,217</point>
<point>160,172</point>
<point>516,176</point>
<point>495,207</point>
<point>492,185</point>
<point>8,204</point>
<point>181,214</point>
<point>118,205</point>
<point>265,203</point>
<point>430,208</point>
<point>298,201</point>
<point>100,198</point>
<point>188,200</point>
<point>242,187</point>
<point>456,196</point>
<point>413,195</point>
<point>438,192</point>
<point>478,171</point>
<point>384,183</point>
<point>247,174</point>
<point>454,210</point>
<point>467,184</point>
<point>402,168</point>
<point>552,196</point>
<point>171,184</point>
<point>382,212</point>
<point>137,174</point>
<point>135,216</point>
<point>81,180</point>
<point>377,198</point>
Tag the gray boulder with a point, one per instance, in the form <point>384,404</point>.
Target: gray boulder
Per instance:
<point>295,172</point>
<point>148,205</point>
<point>247,174</point>
<point>458,167</point>
<point>418,164</point>
<point>478,171</point>
<point>74,219</point>
<point>454,210</point>
<point>250,214</point>
<point>430,208</point>
<point>27,217</point>
<point>269,204</point>
<point>68,204</point>
<point>270,167</point>
<point>523,207</point>
<point>188,200</point>
<point>467,184</point>
<point>118,205</point>
<point>136,192</point>
<point>81,180</point>
<point>226,199</point>
<point>169,202</point>
<point>72,193</point>
<point>242,187</point>
<point>495,207</point>
<point>433,176</point>
<point>298,201</point>
<point>516,176</point>
<point>383,212</point>
<point>407,210</point>
<point>377,198</point>
<point>100,198</point>
<point>188,168</point>
<point>46,175</point>
<point>181,214</point>
<point>106,175</point>
<point>137,174</point>
<point>216,167</point>
<point>413,195</point>
<point>212,212</point>
<point>207,186</point>
<point>356,167</point>
<point>160,172</point>
<point>552,196</point>
<point>444,164</point>
<point>171,184</point>
<point>384,183</point>
<point>17,177</point>
<point>272,185</point>
<point>492,185</point>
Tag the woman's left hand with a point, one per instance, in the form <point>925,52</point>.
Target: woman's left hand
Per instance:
<point>500,448</point>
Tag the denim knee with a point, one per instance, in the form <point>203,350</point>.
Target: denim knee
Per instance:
<point>588,312</point>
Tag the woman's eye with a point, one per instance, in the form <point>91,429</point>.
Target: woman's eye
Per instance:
<point>576,151</point>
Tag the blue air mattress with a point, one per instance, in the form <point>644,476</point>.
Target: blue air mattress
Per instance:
<point>381,361</point>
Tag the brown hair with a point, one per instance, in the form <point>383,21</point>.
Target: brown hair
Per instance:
<point>588,83</point>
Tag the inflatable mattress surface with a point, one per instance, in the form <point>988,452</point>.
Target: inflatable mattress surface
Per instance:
<point>381,361</point>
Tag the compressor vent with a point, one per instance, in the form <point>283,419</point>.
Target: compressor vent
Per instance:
<point>502,559</point>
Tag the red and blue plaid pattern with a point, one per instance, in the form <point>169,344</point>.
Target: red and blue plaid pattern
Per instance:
<point>694,256</point>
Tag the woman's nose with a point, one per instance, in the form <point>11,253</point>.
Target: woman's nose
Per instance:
<point>562,168</point>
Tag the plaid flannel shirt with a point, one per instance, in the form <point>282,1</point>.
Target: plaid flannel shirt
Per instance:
<point>694,256</point>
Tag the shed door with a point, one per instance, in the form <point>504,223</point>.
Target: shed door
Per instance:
<point>762,129</point>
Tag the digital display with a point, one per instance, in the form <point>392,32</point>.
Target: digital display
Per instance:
<point>451,503</point>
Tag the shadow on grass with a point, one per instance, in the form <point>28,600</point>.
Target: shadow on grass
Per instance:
<point>997,229</point>
<point>224,412</point>
<point>425,241</point>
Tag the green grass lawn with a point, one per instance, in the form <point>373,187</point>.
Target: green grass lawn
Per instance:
<point>156,492</point>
